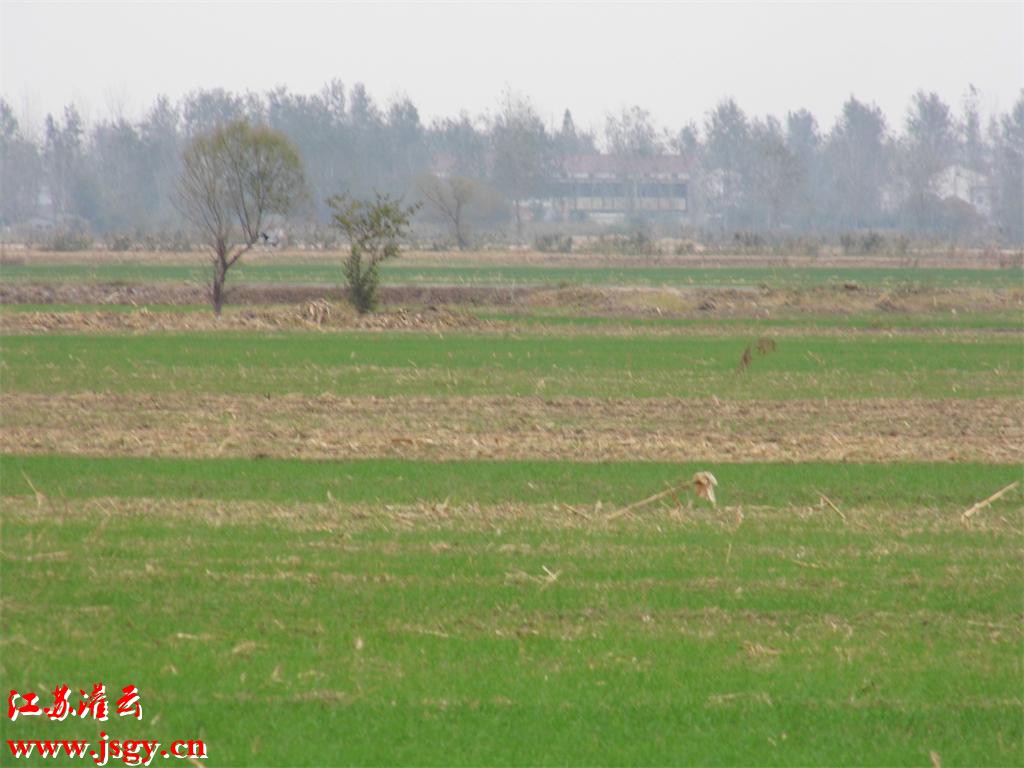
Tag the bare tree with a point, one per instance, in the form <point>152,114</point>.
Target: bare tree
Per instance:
<point>858,152</point>
<point>928,146</point>
<point>1009,173</point>
<point>774,174</point>
<point>632,133</point>
<point>449,197</point>
<point>233,178</point>
<point>20,170</point>
<point>522,153</point>
<point>727,153</point>
<point>632,138</point>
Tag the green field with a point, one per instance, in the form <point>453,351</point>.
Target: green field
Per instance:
<point>465,482</point>
<point>321,273</point>
<point>373,607</point>
<point>359,631</point>
<point>473,364</point>
<point>869,321</point>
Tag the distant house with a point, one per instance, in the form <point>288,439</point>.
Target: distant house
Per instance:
<point>601,186</point>
<point>612,185</point>
<point>956,181</point>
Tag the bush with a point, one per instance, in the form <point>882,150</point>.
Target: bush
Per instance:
<point>635,244</point>
<point>748,240</point>
<point>872,242</point>
<point>374,229</point>
<point>67,240</point>
<point>118,243</point>
<point>867,243</point>
<point>805,246</point>
<point>555,243</point>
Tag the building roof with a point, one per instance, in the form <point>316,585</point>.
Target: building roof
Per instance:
<point>592,166</point>
<point>610,166</point>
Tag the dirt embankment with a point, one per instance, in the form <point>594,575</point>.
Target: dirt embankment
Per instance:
<point>274,318</point>
<point>263,303</point>
<point>141,294</point>
<point>583,255</point>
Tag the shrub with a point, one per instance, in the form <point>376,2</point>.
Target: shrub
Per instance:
<point>118,242</point>
<point>634,244</point>
<point>554,243</point>
<point>867,243</point>
<point>748,240</point>
<point>374,229</point>
<point>67,240</point>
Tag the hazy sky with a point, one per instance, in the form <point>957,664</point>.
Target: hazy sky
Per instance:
<point>675,59</point>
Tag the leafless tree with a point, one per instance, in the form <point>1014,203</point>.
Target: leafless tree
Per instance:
<point>522,153</point>
<point>233,178</point>
<point>449,197</point>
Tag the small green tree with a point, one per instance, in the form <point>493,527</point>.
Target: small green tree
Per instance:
<point>374,229</point>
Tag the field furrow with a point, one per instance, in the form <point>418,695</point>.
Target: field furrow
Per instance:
<point>501,428</point>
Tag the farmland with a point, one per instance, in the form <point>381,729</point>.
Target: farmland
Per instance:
<point>489,269</point>
<point>395,540</point>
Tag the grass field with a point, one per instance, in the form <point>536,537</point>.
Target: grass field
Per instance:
<point>325,273</point>
<point>377,547</point>
<point>466,482</point>
<point>505,631</point>
<point>468,364</point>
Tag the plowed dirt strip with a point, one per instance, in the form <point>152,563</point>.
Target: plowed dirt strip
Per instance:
<point>584,429</point>
<point>581,257</point>
<point>291,319</point>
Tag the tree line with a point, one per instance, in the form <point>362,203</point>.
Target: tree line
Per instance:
<point>942,171</point>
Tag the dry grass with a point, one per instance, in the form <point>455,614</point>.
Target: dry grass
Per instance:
<point>762,346</point>
<point>612,310</point>
<point>584,429</point>
<point>703,485</point>
<point>317,313</point>
<point>899,530</point>
<point>977,507</point>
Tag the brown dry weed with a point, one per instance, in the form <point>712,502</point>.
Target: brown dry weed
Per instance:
<point>579,429</point>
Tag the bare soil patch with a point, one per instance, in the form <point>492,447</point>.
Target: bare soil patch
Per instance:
<point>264,319</point>
<point>426,307</point>
<point>950,259</point>
<point>141,294</point>
<point>764,302</point>
<point>578,429</point>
